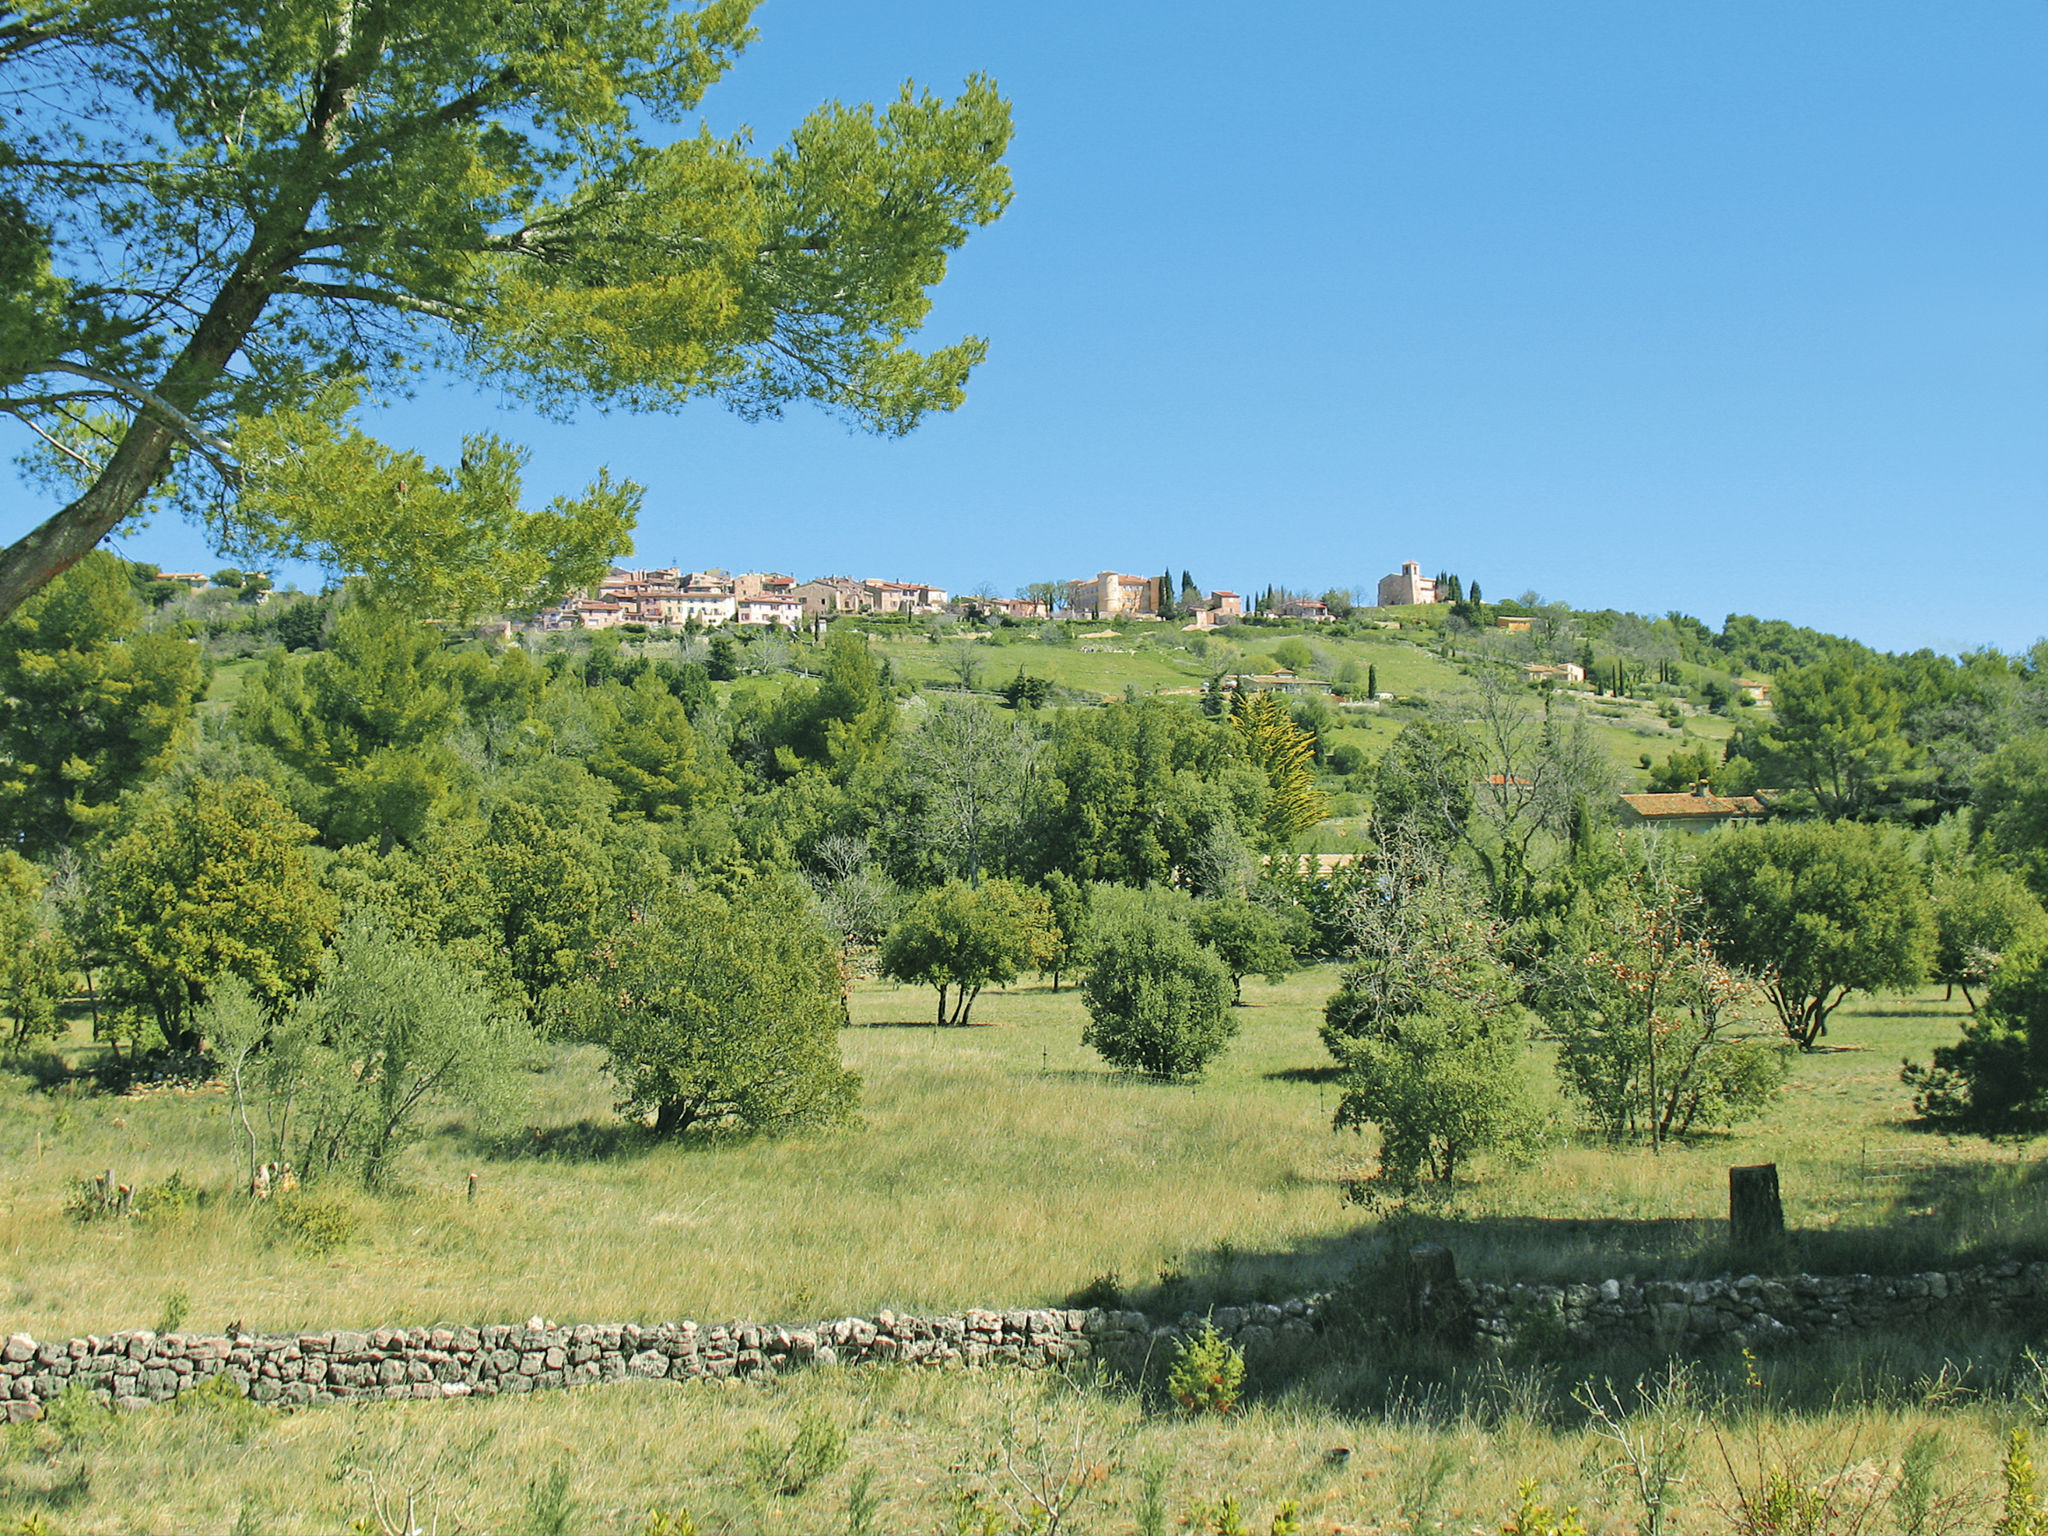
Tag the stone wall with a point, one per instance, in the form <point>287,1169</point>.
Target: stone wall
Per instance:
<point>133,1370</point>
<point>1695,1316</point>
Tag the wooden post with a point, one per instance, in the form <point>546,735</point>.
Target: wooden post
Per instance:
<point>1756,1216</point>
<point>1436,1306</point>
<point>472,1189</point>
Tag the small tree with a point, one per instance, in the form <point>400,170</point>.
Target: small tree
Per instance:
<point>1441,1083</point>
<point>1651,1025</point>
<point>959,938</point>
<point>208,878</point>
<point>35,960</point>
<point>1068,900</point>
<point>1249,939</point>
<point>722,1010</point>
<point>393,1030</point>
<point>1157,1001</point>
<point>1816,911</point>
<point>1980,915</point>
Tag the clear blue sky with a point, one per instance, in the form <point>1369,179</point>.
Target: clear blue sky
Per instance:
<point>1709,306</point>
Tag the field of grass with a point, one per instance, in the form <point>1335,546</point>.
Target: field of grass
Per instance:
<point>985,1451</point>
<point>1001,1164</point>
<point>998,1164</point>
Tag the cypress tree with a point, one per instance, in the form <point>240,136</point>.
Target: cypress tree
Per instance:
<point>1372,681</point>
<point>1475,594</point>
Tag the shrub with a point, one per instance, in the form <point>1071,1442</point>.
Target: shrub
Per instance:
<point>1994,1080</point>
<point>1207,1374</point>
<point>1157,1001</point>
<point>723,1010</point>
<point>787,1468</point>
<point>318,1223</point>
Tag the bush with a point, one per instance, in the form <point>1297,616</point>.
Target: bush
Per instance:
<point>1994,1080</point>
<point>1157,1001</point>
<point>320,1224</point>
<point>1207,1374</point>
<point>722,1010</point>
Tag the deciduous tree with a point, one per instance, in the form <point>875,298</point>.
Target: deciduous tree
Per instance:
<point>1816,911</point>
<point>960,938</point>
<point>1158,1002</point>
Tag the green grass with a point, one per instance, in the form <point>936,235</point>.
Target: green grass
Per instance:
<point>998,1164</point>
<point>933,1451</point>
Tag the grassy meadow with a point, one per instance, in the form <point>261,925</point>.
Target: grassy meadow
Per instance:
<point>1001,1164</point>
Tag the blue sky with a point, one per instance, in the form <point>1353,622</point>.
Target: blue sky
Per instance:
<point>1716,307</point>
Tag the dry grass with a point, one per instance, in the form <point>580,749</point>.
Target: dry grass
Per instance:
<point>998,1164</point>
<point>932,1448</point>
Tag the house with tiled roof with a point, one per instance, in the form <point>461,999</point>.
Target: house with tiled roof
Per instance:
<point>1698,809</point>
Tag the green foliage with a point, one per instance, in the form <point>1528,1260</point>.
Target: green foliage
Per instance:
<point>2010,799</point>
<point>1442,1083</point>
<point>963,937</point>
<point>426,540</point>
<point>1838,727</point>
<point>953,804</point>
<point>1424,782</point>
<point>1650,1024</point>
<point>392,1031</point>
<point>36,960</point>
<point>1814,912</point>
<point>1248,938</point>
<point>722,1009</point>
<point>320,1224</point>
<point>90,706</point>
<point>206,879</point>
<point>1207,1374</point>
<point>1994,1080</point>
<point>362,726</point>
<point>2020,1512</point>
<point>550,1511</point>
<point>1129,793</point>
<point>786,1468</point>
<point>1157,1001</point>
<point>1981,914</point>
<point>1532,1517</point>
<point>1268,737</point>
<point>526,220</point>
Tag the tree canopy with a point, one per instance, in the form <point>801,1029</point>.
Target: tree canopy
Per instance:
<point>218,225</point>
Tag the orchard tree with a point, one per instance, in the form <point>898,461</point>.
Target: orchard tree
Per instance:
<point>219,226</point>
<point>1815,911</point>
<point>960,938</point>
<point>1652,1027</point>
<point>1248,938</point>
<point>205,879</point>
<point>90,706</point>
<point>719,1010</point>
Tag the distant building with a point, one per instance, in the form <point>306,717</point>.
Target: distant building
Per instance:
<point>1520,623</point>
<point>1696,810</point>
<point>1313,608</point>
<point>1554,672</point>
<point>1407,588</point>
<point>1112,595</point>
<point>1754,688</point>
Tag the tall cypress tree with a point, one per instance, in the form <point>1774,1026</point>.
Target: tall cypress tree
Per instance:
<point>1166,608</point>
<point>1372,681</point>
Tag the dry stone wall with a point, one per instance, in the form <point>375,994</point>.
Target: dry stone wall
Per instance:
<point>134,1370</point>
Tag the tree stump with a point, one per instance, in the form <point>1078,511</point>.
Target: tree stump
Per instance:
<point>1436,1305</point>
<point>1756,1216</point>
